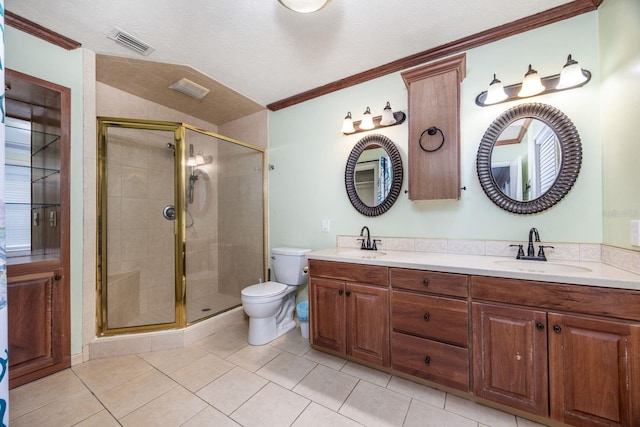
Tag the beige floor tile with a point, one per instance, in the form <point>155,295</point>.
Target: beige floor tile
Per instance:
<point>326,386</point>
<point>271,406</point>
<point>71,410</point>
<point>286,370</point>
<point>37,394</point>
<point>232,389</point>
<point>325,359</point>
<point>480,413</point>
<point>319,416</point>
<point>101,419</point>
<point>293,342</point>
<point>226,342</point>
<point>173,408</point>
<point>254,357</point>
<point>169,361</point>
<point>418,391</point>
<point>374,406</point>
<point>365,373</point>
<point>133,394</point>
<point>198,374</point>
<point>424,415</point>
<point>103,374</point>
<point>210,417</point>
<point>527,423</point>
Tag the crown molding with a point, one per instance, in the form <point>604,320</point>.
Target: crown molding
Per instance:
<point>560,13</point>
<point>39,31</point>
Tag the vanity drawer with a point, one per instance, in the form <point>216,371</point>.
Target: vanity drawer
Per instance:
<point>443,319</point>
<point>450,284</point>
<point>442,363</point>
<point>369,274</point>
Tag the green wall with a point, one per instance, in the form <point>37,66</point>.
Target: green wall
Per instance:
<point>30,55</point>
<point>309,153</point>
<point>620,99</point>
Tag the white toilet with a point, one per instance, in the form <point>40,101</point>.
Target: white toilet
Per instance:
<point>270,305</point>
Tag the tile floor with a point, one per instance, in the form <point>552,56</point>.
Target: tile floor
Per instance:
<point>222,381</point>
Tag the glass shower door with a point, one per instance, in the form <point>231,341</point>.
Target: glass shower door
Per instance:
<point>138,283</point>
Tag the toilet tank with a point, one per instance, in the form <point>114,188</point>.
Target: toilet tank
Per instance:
<point>288,264</point>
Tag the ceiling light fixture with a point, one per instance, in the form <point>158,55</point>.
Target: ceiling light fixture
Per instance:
<point>304,6</point>
<point>572,76</point>
<point>190,88</point>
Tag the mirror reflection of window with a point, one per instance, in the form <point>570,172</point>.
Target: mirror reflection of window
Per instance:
<point>526,159</point>
<point>373,175</point>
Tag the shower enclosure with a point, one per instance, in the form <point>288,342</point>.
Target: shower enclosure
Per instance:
<point>181,224</point>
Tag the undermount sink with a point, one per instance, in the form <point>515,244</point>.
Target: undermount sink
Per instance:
<point>541,266</point>
<point>360,254</point>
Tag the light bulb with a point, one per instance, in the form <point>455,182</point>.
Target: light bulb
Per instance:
<point>367,120</point>
<point>571,74</point>
<point>496,92</point>
<point>387,116</point>
<point>347,124</point>
<point>531,85</point>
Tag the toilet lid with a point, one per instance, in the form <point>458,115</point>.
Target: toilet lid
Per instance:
<point>266,289</point>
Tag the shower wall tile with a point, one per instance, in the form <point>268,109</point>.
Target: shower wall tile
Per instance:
<point>134,213</point>
<point>134,244</point>
<point>161,185</point>
<point>135,182</point>
<point>114,213</point>
<point>114,180</point>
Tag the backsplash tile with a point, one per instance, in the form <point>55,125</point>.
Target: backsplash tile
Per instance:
<point>431,245</point>
<point>621,258</point>
<point>466,247</point>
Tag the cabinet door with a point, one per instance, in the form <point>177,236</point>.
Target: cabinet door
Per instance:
<point>592,377</point>
<point>368,323</point>
<point>38,344</point>
<point>327,313</point>
<point>510,356</point>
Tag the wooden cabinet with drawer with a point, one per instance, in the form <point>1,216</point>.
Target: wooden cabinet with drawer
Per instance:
<point>430,326</point>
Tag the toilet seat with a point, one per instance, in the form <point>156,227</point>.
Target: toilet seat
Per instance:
<point>263,291</point>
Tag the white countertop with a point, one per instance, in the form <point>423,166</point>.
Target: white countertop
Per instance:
<point>572,272</point>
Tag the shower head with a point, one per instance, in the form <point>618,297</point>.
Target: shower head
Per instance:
<point>171,146</point>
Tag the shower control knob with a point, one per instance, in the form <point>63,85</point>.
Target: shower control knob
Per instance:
<point>169,212</point>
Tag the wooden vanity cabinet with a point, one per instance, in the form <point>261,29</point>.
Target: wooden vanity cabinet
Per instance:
<point>349,309</point>
<point>430,326</point>
<point>580,343</point>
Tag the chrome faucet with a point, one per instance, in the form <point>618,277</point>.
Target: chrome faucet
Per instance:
<point>531,252</point>
<point>367,244</point>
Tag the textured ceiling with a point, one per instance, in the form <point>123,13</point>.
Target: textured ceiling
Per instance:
<point>266,52</point>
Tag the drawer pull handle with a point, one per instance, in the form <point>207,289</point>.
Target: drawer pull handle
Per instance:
<point>427,360</point>
<point>425,282</point>
<point>340,292</point>
<point>556,328</point>
<point>348,293</point>
<point>540,325</point>
<point>426,316</point>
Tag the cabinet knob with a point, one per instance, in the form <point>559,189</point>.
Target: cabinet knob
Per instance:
<point>425,282</point>
<point>427,360</point>
<point>57,277</point>
<point>340,292</point>
<point>556,328</point>
<point>426,316</point>
<point>540,325</point>
<point>348,293</point>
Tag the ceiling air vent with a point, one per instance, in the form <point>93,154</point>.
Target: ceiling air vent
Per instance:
<point>190,88</point>
<point>130,41</point>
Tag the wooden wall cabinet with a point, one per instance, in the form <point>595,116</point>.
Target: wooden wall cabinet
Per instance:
<point>347,315</point>
<point>588,363</point>
<point>434,100</point>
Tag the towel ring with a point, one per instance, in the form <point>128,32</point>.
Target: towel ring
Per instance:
<point>431,131</point>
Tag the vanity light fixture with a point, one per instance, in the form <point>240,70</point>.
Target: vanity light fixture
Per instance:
<point>368,122</point>
<point>304,6</point>
<point>571,76</point>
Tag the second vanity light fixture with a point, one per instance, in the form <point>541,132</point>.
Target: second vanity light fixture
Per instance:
<point>571,76</point>
<point>368,122</point>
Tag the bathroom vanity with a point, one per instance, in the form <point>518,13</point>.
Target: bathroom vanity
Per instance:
<point>562,344</point>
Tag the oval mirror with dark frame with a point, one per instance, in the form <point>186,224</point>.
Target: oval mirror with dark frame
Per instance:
<point>529,158</point>
<point>373,175</point>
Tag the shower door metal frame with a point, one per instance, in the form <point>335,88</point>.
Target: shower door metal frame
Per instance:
<point>179,131</point>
